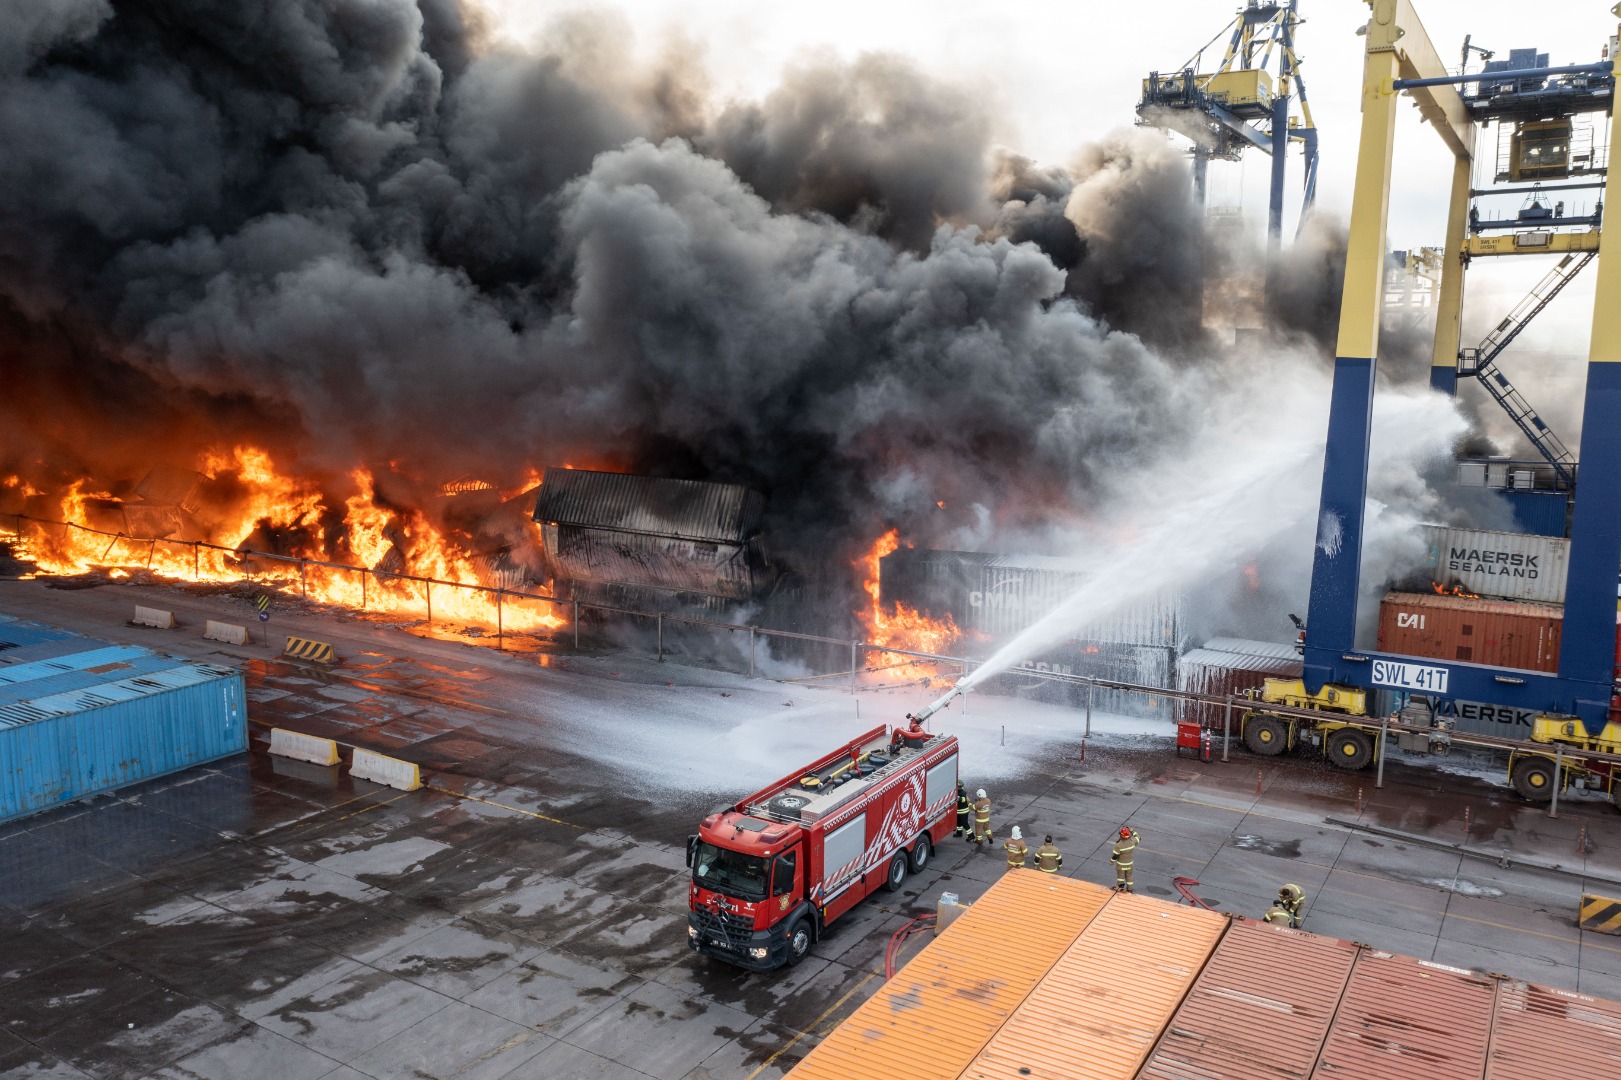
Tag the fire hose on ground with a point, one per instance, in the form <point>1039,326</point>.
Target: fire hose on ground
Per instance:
<point>898,938</point>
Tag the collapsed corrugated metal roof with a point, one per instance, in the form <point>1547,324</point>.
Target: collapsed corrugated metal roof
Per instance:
<point>675,509</point>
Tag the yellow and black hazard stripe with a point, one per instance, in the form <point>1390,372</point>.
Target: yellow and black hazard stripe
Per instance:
<point>1601,914</point>
<point>262,602</point>
<point>304,649</point>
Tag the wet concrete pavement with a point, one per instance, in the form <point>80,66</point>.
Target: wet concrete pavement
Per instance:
<point>523,917</point>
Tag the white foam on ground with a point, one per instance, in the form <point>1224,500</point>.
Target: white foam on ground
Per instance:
<point>1462,887</point>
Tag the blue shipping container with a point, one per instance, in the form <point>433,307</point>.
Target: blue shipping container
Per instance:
<point>1540,513</point>
<point>80,716</point>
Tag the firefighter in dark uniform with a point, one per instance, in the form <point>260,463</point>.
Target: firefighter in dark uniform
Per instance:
<point>965,813</point>
<point>1124,854</point>
<point>1048,858</point>
<point>1017,850</point>
<point>1292,898</point>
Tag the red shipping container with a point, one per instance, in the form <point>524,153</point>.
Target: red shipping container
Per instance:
<point>1231,666</point>
<point>1498,633</point>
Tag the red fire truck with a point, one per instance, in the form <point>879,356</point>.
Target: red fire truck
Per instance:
<point>769,874</point>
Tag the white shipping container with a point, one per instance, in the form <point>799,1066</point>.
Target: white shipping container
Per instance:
<point>1014,591</point>
<point>1513,566</point>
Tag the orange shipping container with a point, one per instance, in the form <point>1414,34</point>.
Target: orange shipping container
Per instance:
<point>1100,1010</point>
<point>1545,1034</point>
<point>1260,1010</point>
<point>942,1008</point>
<point>1402,1017</point>
<point>1499,633</point>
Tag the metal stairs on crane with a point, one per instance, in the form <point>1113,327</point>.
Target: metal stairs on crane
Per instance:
<point>1481,363</point>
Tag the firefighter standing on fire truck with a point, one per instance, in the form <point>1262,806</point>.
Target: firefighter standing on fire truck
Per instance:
<point>1125,851</point>
<point>1017,850</point>
<point>982,817</point>
<point>965,813</point>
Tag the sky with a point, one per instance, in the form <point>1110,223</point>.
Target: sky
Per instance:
<point>1063,73</point>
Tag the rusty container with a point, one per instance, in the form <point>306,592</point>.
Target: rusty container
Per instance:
<point>1402,1017</point>
<point>1497,633</point>
<point>1230,666</point>
<point>1100,1010</point>
<point>941,1009</point>
<point>1261,1008</point>
<point>1539,1029</point>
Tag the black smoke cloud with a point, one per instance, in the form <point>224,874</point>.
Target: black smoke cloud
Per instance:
<point>359,233</point>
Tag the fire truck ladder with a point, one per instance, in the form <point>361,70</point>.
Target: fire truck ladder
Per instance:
<point>1481,362</point>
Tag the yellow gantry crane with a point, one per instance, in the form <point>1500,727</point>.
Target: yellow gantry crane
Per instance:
<point>1240,103</point>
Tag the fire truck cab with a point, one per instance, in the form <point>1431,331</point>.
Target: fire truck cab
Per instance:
<point>771,872</point>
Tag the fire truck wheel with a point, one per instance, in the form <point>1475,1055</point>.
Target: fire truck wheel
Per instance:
<point>897,872</point>
<point>920,855</point>
<point>1266,735</point>
<point>799,941</point>
<point>1350,749</point>
<point>1533,778</point>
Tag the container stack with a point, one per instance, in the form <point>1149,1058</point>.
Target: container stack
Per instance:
<point>1235,666</point>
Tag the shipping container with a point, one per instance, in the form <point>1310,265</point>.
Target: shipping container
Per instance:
<point>1540,1032</point>
<point>675,535</point>
<point>1140,665</point>
<point>1509,566</point>
<point>941,1009</point>
<point>1101,1008</point>
<point>1497,633</point>
<point>1540,513</point>
<point>80,716</point>
<point>997,596</point>
<point>1402,1017</point>
<point>1233,666</point>
<point>1261,1007</point>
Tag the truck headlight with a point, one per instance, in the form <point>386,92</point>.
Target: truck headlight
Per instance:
<point>759,954</point>
<point>692,931</point>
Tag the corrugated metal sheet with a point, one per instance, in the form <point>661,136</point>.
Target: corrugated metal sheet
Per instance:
<point>1545,1034</point>
<point>1260,1010</point>
<point>943,1007</point>
<point>1000,595</point>
<point>1402,1017</point>
<point>17,634</point>
<point>1099,1012</point>
<point>1500,633</point>
<point>681,509</point>
<point>1513,566</point>
<point>1230,666</point>
<point>699,566</point>
<point>97,717</point>
<point>1143,665</point>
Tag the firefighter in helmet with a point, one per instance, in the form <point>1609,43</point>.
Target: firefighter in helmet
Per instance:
<point>1048,858</point>
<point>982,817</point>
<point>1292,899</point>
<point>1277,914</point>
<point>1017,850</point>
<point>965,813</point>
<point>1122,856</point>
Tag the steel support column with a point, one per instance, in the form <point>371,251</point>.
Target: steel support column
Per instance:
<point>1336,561</point>
<point>1280,161</point>
<point>1449,299</point>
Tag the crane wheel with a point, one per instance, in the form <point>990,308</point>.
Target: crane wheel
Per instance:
<point>1266,735</point>
<point>1533,778</point>
<point>1349,748</point>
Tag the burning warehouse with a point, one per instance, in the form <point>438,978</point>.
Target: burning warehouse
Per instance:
<point>612,537</point>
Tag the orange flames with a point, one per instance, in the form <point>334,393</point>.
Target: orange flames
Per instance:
<point>903,627</point>
<point>1453,590</point>
<point>376,547</point>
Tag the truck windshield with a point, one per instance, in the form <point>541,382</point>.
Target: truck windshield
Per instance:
<point>730,872</point>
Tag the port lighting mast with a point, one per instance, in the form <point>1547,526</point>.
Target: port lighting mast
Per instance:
<point>1533,106</point>
<point>1241,103</point>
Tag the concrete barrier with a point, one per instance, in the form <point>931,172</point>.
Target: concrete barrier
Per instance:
<point>300,747</point>
<point>230,633</point>
<point>154,617</point>
<point>305,649</point>
<point>390,772</point>
<point>1601,914</point>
